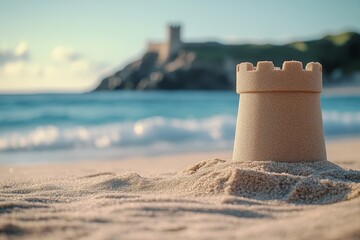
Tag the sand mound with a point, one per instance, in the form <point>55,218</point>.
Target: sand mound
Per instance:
<point>214,199</point>
<point>310,183</point>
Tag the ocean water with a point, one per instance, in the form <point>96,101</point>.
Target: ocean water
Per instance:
<point>68,127</point>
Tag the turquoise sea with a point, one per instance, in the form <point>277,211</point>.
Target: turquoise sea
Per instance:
<point>68,127</point>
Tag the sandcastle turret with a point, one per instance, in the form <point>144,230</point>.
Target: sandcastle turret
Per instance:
<point>279,117</point>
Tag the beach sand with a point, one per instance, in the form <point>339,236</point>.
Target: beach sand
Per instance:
<point>192,196</point>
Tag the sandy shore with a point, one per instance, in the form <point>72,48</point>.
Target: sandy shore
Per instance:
<point>188,196</point>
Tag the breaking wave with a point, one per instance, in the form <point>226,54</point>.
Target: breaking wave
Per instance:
<point>216,130</point>
<point>341,123</point>
<point>219,129</point>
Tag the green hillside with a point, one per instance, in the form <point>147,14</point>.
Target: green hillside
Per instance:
<point>211,66</point>
<point>333,52</point>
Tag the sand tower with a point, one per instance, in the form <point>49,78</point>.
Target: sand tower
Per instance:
<point>279,117</point>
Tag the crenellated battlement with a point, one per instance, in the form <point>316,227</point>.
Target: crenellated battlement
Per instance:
<point>267,78</point>
<point>287,66</point>
<point>177,27</point>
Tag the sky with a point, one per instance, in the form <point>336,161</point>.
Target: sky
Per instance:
<point>69,45</point>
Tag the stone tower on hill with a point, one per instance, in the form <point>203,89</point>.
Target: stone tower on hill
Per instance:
<point>172,45</point>
<point>174,40</point>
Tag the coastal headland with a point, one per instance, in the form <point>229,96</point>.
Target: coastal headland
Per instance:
<point>179,65</point>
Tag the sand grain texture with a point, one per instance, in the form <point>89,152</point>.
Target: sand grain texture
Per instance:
<point>213,199</point>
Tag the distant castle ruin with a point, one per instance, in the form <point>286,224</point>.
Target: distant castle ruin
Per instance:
<point>171,46</point>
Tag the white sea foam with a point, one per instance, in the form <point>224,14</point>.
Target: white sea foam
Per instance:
<point>142,132</point>
<point>173,132</point>
<point>345,118</point>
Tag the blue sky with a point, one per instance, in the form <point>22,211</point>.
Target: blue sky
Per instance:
<point>68,45</point>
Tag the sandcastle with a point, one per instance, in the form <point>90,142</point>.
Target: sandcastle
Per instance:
<point>279,117</point>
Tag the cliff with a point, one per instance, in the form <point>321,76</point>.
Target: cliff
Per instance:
<point>210,66</point>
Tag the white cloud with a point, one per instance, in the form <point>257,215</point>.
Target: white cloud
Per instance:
<point>81,65</point>
<point>20,68</point>
<point>19,53</point>
<point>69,70</point>
<point>64,54</point>
<point>75,63</point>
<point>21,49</point>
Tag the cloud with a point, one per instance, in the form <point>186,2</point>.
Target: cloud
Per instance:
<point>21,50</point>
<point>69,69</point>
<point>75,62</point>
<point>20,53</point>
<point>21,68</point>
<point>66,63</point>
<point>65,54</point>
